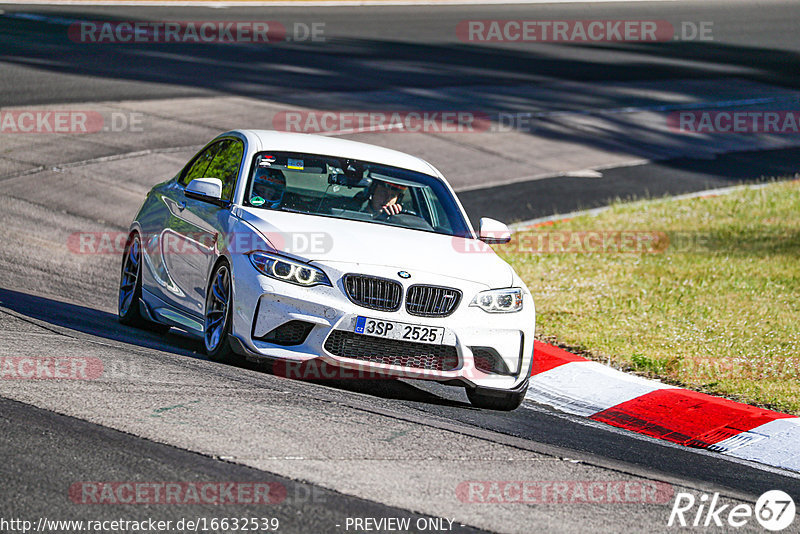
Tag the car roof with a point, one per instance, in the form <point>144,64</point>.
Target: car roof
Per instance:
<point>334,146</point>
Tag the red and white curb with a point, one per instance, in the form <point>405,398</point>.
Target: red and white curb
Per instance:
<point>590,389</point>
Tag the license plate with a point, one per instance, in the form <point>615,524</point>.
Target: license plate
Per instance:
<point>433,335</point>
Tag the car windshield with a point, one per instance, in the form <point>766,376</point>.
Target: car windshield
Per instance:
<point>355,190</point>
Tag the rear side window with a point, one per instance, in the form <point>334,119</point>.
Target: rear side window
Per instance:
<point>199,165</point>
<point>225,166</point>
<point>221,160</point>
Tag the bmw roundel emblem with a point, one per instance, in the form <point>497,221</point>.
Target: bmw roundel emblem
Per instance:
<point>404,274</point>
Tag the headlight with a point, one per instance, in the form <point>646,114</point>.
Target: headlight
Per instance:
<point>499,300</point>
<point>288,270</point>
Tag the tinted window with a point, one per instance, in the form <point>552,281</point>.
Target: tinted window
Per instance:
<point>225,166</point>
<point>200,164</point>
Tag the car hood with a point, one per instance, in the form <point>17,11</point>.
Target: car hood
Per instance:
<point>326,239</point>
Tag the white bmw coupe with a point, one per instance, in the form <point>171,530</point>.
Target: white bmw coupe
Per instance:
<point>297,248</point>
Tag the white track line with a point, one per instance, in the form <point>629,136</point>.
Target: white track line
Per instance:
<point>774,443</point>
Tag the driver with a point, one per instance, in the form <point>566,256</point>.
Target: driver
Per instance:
<point>384,198</point>
<point>269,187</point>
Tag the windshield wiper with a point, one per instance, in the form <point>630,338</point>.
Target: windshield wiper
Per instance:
<point>291,210</point>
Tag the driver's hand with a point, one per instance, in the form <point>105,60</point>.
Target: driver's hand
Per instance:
<point>391,209</point>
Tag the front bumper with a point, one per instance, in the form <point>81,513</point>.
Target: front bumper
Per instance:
<point>262,304</point>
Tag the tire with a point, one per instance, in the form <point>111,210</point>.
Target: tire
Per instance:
<point>492,399</point>
<point>130,289</point>
<point>217,316</point>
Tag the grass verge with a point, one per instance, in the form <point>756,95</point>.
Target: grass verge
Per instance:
<point>703,292</point>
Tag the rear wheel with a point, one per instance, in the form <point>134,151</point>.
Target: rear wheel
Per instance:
<point>217,324</point>
<point>130,288</point>
<point>492,399</point>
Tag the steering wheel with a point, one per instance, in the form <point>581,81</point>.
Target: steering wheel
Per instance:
<point>382,215</point>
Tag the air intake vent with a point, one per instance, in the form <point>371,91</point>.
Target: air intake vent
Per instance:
<point>432,301</point>
<point>291,333</point>
<point>487,360</point>
<point>373,293</point>
<point>392,352</point>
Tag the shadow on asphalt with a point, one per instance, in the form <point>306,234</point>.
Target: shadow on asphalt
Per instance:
<point>539,426</point>
<point>350,63</point>
<point>93,322</point>
<point>351,71</point>
<point>540,198</point>
<point>105,325</point>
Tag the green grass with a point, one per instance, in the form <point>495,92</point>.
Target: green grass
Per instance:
<point>716,308</point>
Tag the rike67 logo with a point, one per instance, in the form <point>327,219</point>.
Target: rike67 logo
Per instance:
<point>774,511</point>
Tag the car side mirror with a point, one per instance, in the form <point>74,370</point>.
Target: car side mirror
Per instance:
<point>206,189</point>
<point>493,232</point>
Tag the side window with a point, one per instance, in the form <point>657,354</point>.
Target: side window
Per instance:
<point>200,164</point>
<point>440,221</point>
<point>225,166</point>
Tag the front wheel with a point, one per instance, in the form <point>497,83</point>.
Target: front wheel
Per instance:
<point>491,399</point>
<point>130,288</point>
<point>217,324</point>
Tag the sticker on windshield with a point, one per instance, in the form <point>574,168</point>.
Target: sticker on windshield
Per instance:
<point>257,201</point>
<point>296,164</point>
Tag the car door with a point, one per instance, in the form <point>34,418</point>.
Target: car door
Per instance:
<point>162,211</point>
<point>193,229</point>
